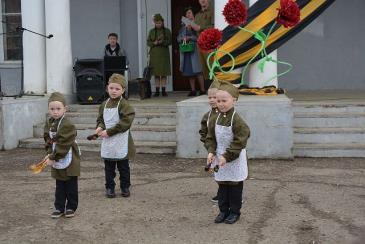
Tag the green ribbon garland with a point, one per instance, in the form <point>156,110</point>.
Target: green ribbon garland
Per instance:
<point>262,37</point>
<point>216,64</point>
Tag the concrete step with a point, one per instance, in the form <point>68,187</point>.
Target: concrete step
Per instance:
<point>138,107</point>
<point>329,106</point>
<point>150,118</point>
<point>329,150</point>
<point>163,133</point>
<point>329,135</point>
<point>332,119</point>
<point>153,147</point>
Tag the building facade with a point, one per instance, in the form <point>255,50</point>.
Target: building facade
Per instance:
<point>327,54</point>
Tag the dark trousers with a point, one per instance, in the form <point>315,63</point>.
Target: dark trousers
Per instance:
<point>67,194</point>
<point>124,173</point>
<point>230,197</point>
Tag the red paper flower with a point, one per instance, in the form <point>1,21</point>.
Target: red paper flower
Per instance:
<point>289,13</point>
<point>209,39</point>
<point>235,12</point>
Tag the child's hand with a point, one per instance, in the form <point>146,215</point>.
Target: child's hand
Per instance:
<point>104,134</point>
<point>222,161</point>
<point>98,131</point>
<point>210,158</point>
<point>49,161</point>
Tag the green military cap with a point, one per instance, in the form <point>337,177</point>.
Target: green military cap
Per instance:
<point>158,17</point>
<point>215,84</point>
<point>118,79</point>
<point>57,96</point>
<point>228,87</point>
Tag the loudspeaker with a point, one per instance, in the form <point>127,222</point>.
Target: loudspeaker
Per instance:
<point>114,64</point>
<point>90,87</point>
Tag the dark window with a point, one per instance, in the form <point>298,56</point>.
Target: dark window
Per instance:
<point>12,39</point>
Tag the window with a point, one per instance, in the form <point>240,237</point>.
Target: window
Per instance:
<point>12,39</point>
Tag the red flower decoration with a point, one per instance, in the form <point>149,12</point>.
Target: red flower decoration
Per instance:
<point>289,13</point>
<point>235,12</point>
<point>209,39</point>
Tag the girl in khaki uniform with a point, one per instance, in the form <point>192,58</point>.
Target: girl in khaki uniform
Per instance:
<point>63,156</point>
<point>159,40</point>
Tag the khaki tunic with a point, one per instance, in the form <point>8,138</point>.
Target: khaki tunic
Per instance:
<point>65,139</point>
<point>205,19</point>
<point>241,133</point>
<point>204,126</point>
<point>160,54</point>
<point>126,115</point>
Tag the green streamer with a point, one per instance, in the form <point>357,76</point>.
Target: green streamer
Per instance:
<point>262,37</point>
<point>216,64</point>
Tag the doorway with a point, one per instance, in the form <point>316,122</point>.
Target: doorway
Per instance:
<point>180,83</point>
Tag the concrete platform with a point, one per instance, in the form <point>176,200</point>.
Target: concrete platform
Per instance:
<point>270,119</point>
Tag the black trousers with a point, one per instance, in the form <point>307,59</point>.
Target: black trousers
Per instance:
<point>230,197</point>
<point>67,194</point>
<point>124,173</point>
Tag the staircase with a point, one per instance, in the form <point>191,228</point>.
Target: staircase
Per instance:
<point>153,129</point>
<point>329,128</point>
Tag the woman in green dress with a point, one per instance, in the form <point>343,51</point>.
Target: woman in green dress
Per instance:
<point>159,40</point>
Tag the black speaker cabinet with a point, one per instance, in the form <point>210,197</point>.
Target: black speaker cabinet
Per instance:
<point>114,64</point>
<point>90,86</point>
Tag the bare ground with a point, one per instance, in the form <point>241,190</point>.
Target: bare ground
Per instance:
<point>305,201</point>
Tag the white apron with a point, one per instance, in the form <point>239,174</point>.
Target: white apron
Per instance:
<point>114,147</point>
<point>63,162</point>
<point>235,170</point>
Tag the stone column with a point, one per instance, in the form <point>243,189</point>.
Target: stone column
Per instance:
<point>219,21</point>
<point>256,78</point>
<point>34,47</point>
<point>59,56</point>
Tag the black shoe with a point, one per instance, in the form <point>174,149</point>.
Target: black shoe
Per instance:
<point>202,93</point>
<point>69,213</point>
<point>164,94</point>
<point>232,218</point>
<point>157,94</point>
<point>56,214</point>
<point>220,217</point>
<point>192,94</point>
<point>125,192</point>
<point>110,193</point>
<point>214,199</point>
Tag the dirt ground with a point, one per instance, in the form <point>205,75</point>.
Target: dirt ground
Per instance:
<point>305,201</point>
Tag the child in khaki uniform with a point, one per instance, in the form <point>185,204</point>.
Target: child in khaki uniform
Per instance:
<point>63,156</point>
<point>209,117</point>
<point>226,142</point>
<point>113,124</point>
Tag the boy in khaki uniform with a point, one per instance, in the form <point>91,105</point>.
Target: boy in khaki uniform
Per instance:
<point>209,117</point>
<point>226,142</point>
<point>113,125</point>
<point>63,156</point>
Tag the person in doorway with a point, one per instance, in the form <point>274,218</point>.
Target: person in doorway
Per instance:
<point>204,19</point>
<point>189,60</point>
<point>159,40</point>
<point>113,125</point>
<point>113,48</point>
<point>226,142</point>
